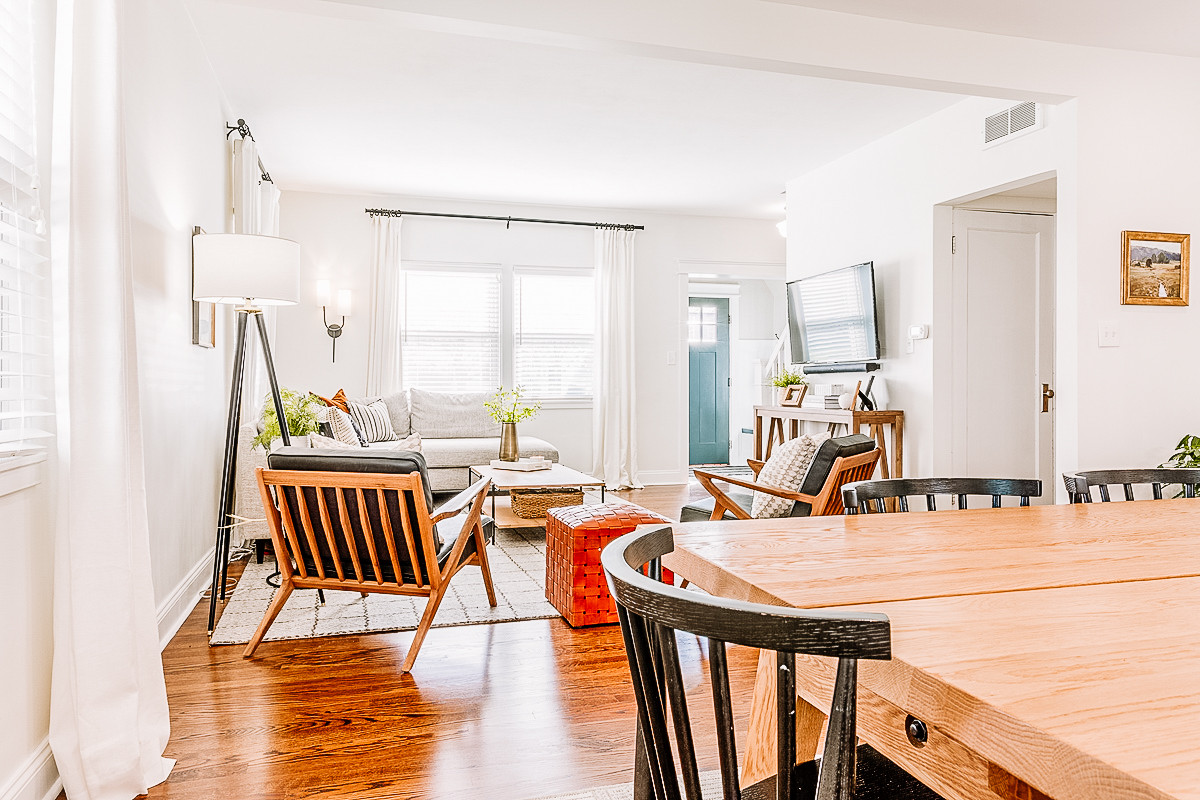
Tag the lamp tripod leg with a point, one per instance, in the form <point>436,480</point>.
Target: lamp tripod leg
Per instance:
<point>224,506</point>
<point>266,348</point>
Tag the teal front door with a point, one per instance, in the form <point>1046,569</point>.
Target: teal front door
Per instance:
<point>708,380</point>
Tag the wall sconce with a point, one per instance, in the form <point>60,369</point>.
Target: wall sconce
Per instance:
<point>324,297</point>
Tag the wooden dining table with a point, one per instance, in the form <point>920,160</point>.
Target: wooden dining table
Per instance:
<point>1049,651</point>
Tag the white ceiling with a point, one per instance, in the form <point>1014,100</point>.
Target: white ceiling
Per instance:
<point>1152,26</point>
<point>347,102</point>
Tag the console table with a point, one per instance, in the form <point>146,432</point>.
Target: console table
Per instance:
<point>771,419</point>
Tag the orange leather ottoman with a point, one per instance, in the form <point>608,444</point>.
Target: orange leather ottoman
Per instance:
<point>575,583</point>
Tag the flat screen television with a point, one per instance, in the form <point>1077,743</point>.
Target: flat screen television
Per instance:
<point>832,318</point>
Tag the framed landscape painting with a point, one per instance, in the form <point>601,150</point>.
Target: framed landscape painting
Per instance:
<point>1154,268</point>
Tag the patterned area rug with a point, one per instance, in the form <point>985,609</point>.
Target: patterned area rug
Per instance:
<point>518,562</point>
<point>710,787</point>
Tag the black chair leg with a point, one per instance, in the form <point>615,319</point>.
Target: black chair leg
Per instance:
<point>260,549</point>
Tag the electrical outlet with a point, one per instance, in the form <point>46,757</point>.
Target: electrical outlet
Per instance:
<point>1108,336</point>
<point>909,347</point>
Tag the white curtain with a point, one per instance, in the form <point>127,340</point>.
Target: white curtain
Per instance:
<point>109,721</point>
<point>255,210</point>
<point>383,348</point>
<point>614,428</point>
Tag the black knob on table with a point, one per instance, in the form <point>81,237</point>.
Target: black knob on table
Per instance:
<point>916,730</point>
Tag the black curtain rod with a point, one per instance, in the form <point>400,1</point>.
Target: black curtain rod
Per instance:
<point>383,212</point>
<point>243,130</point>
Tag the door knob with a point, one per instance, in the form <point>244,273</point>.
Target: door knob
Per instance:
<point>1047,395</point>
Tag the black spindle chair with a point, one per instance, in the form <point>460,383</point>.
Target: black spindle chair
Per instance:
<point>869,496</point>
<point>650,613</point>
<point>1079,484</point>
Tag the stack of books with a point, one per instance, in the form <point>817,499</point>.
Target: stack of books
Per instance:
<point>832,402</point>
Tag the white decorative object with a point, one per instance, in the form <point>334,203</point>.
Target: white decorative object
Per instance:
<point>524,465</point>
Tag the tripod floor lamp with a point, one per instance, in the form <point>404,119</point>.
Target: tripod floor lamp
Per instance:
<point>250,272</point>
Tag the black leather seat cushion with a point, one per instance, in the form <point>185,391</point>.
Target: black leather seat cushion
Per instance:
<point>829,451</point>
<point>400,462</point>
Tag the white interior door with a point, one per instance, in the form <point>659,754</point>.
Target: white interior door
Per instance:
<point>1003,346</point>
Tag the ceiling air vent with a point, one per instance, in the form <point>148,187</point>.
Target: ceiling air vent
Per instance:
<point>1011,122</point>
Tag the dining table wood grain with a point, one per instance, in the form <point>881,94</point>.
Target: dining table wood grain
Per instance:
<point>1050,651</point>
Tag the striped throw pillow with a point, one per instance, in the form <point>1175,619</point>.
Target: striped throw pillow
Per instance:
<point>343,428</point>
<point>373,421</point>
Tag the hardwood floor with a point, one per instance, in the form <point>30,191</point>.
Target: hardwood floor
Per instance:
<point>506,711</point>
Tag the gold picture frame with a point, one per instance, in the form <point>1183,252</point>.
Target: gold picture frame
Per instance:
<point>794,395</point>
<point>1151,274</point>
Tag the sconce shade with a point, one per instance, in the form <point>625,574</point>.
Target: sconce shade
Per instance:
<point>231,267</point>
<point>343,302</point>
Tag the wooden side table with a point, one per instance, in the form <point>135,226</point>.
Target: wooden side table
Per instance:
<point>877,423</point>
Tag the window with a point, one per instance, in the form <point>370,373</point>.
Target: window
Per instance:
<point>25,402</point>
<point>451,329</point>
<point>473,328</point>
<point>553,336</point>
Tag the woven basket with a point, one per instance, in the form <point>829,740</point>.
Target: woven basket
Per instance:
<point>534,503</point>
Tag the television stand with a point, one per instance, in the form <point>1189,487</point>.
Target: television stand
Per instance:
<point>769,430</point>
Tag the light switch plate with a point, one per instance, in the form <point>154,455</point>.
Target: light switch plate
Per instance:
<point>1108,336</point>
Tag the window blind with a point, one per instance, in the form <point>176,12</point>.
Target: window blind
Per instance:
<point>553,333</point>
<point>451,330</point>
<point>25,367</point>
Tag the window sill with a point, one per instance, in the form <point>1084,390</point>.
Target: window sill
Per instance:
<point>566,403</point>
<point>20,472</point>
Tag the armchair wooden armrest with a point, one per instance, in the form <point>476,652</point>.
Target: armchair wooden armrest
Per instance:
<point>462,501</point>
<point>725,503</point>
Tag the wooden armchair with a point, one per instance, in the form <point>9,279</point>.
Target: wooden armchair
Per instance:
<point>361,522</point>
<point>838,461</point>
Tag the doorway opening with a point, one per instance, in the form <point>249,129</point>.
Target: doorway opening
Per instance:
<point>1000,361</point>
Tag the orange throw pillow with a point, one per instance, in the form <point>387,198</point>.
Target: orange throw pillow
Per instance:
<point>339,400</point>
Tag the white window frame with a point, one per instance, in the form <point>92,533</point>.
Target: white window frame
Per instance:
<point>507,274</point>
<point>24,267</point>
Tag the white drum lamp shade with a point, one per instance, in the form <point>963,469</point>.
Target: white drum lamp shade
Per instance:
<point>233,267</point>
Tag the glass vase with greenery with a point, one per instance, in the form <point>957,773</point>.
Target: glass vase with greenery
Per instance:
<point>506,406</point>
<point>300,409</point>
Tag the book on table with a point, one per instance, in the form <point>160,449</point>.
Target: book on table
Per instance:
<point>524,465</point>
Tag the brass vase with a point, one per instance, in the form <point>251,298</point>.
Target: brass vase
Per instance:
<point>508,442</point>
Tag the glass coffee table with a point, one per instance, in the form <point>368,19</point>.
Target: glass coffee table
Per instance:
<point>505,480</point>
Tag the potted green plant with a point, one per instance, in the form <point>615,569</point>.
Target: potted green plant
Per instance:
<point>1186,455</point>
<point>785,379</point>
<point>300,409</point>
<point>507,408</point>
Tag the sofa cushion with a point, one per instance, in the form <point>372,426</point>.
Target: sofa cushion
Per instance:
<point>343,427</point>
<point>479,450</point>
<point>397,406</point>
<point>457,415</point>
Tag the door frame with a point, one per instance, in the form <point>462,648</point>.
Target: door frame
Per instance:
<point>945,311</point>
<point>724,290</point>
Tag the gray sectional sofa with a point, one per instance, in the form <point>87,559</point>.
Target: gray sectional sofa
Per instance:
<point>456,433</point>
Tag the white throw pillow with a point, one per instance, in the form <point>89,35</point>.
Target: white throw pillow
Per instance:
<point>785,469</point>
<point>373,420</point>
<point>343,427</point>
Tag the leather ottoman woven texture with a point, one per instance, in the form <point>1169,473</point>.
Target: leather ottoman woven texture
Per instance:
<point>575,583</point>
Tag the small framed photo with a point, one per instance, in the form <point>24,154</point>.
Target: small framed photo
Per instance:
<point>1154,268</point>
<point>794,396</point>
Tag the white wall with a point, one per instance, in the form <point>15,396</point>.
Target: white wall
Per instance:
<point>177,165</point>
<point>877,204</point>
<point>335,236</point>
<point>1115,172</point>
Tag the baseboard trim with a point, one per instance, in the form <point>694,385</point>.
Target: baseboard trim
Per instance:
<point>174,610</point>
<point>37,779</point>
<point>663,477</point>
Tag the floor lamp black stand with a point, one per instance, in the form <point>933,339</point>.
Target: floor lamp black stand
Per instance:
<point>229,470</point>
